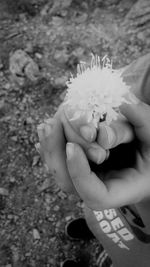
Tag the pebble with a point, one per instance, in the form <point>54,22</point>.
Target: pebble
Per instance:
<point>82,18</point>
<point>62,195</point>
<point>3,192</point>
<point>68,218</point>
<point>52,239</point>
<point>61,57</point>
<point>29,120</point>
<point>58,224</point>
<point>38,55</point>
<point>7,86</point>
<point>56,208</point>
<point>60,81</point>
<point>10,216</point>
<point>36,234</point>
<point>14,138</point>
<point>45,185</point>
<point>35,161</point>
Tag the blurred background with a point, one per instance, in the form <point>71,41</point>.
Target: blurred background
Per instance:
<point>41,43</point>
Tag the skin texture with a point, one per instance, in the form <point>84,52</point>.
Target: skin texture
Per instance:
<point>117,188</point>
<point>101,187</point>
<point>55,133</point>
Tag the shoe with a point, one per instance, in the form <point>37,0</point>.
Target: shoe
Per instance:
<point>70,263</point>
<point>78,230</point>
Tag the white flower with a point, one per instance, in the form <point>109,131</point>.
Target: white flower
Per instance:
<point>97,91</point>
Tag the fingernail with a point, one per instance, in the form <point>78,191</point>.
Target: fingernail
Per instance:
<point>96,154</point>
<point>110,134</point>
<point>87,133</point>
<point>69,150</point>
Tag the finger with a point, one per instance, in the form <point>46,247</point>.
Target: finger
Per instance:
<point>93,151</point>
<point>89,187</point>
<point>118,189</point>
<point>52,150</point>
<point>139,116</point>
<point>81,125</point>
<point>126,187</point>
<point>97,154</point>
<point>117,133</point>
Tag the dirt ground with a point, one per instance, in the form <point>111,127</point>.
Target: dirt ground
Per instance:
<point>41,42</point>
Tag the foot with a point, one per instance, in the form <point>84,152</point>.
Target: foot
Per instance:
<point>78,229</point>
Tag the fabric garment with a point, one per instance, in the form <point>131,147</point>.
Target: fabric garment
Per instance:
<point>123,233</point>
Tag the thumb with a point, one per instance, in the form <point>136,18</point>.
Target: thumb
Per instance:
<point>76,161</point>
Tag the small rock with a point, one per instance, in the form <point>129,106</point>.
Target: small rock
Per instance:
<point>12,179</point>
<point>52,239</point>
<point>80,205</point>
<point>57,21</point>
<point>62,195</point>
<point>45,185</point>
<point>7,86</point>
<point>29,47</point>
<point>68,218</point>
<point>45,10</point>
<point>38,55</point>
<point>61,56</point>
<point>60,81</point>
<point>79,52</point>
<point>66,3</point>
<point>14,138</point>
<point>8,265</point>
<point>28,254</point>
<point>15,253</point>
<point>29,120</point>
<point>58,224</point>
<point>2,105</point>
<point>36,160</point>
<point>141,36</point>
<point>64,12</point>
<point>21,65</point>
<point>3,192</point>
<point>60,5</point>
<point>10,216</point>
<point>82,18</point>
<point>36,234</point>
<point>56,208</point>
<point>32,71</point>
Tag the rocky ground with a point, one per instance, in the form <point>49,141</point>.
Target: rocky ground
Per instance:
<point>41,42</point>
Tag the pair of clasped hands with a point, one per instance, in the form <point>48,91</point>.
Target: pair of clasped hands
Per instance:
<point>68,147</point>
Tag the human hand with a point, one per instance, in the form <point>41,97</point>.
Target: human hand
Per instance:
<point>116,188</point>
<point>54,134</point>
